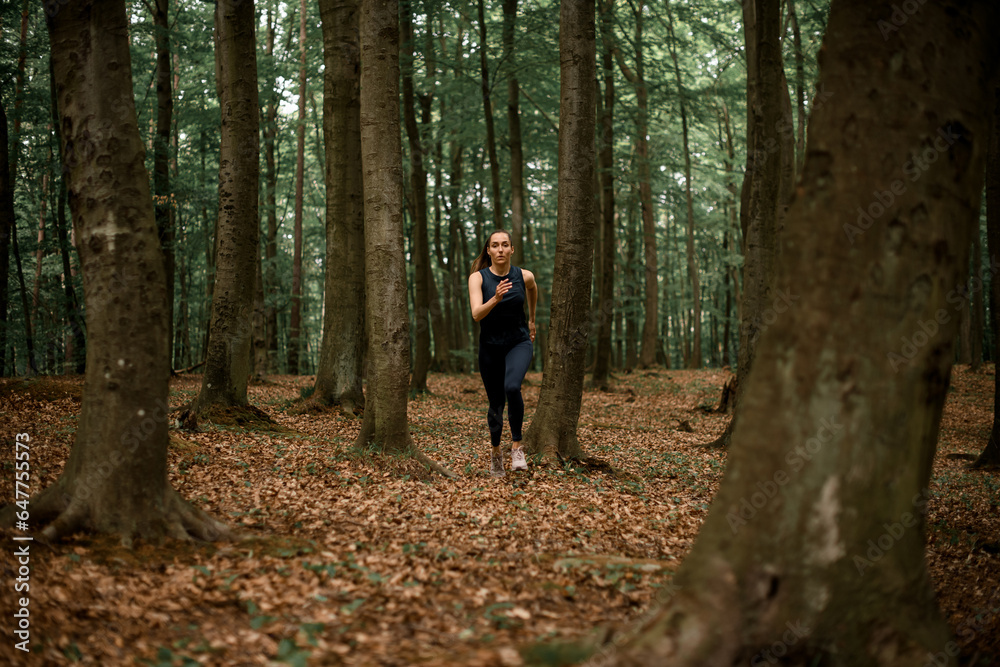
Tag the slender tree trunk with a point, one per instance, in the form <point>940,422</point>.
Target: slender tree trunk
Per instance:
<point>227,366</point>
<point>295,320</point>
<point>338,377</point>
<point>989,459</point>
<point>162,195</point>
<point>800,88</point>
<point>631,296</point>
<point>762,209</point>
<point>976,316</point>
<point>606,288</point>
<point>491,142</point>
<point>692,260</point>
<point>420,240</point>
<point>76,346</point>
<point>270,188</point>
<point>833,451</point>
<point>555,419</point>
<point>115,480</point>
<point>514,133</point>
<point>6,230</point>
<point>647,348</point>
<point>36,287</point>
<point>30,365</point>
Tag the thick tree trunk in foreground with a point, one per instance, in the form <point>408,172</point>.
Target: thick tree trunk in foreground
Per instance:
<point>989,459</point>
<point>814,545</point>
<point>227,367</point>
<point>115,480</point>
<point>554,423</point>
<point>385,426</point>
<point>338,377</point>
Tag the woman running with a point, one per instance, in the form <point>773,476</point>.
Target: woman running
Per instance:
<point>497,292</point>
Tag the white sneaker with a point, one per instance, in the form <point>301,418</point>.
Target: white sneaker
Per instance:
<point>517,461</point>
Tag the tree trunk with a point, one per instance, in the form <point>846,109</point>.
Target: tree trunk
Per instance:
<point>814,544</point>
<point>976,316</point>
<point>989,459</point>
<point>800,88</point>
<point>6,230</point>
<point>514,133</point>
<point>385,426</point>
<point>631,296</point>
<point>76,346</point>
<point>555,419</point>
<point>762,208</point>
<point>270,188</point>
<point>30,365</point>
<point>420,240</point>
<point>692,260</point>
<point>647,347</point>
<point>338,378</point>
<point>36,288</point>
<point>227,366</point>
<point>162,196</point>
<point>115,480</point>
<point>606,288</point>
<point>491,142</point>
<point>295,320</point>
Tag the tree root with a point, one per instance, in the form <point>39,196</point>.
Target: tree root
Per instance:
<point>63,515</point>
<point>433,465</point>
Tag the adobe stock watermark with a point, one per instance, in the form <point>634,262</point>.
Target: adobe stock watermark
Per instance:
<point>878,547</point>
<point>913,169</point>
<point>796,459</point>
<point>928,329</point>
<point>901,13</point>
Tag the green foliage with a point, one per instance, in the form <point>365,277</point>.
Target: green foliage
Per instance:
<point>446,70</point>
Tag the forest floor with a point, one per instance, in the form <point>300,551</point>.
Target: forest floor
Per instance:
<point>357,560</point>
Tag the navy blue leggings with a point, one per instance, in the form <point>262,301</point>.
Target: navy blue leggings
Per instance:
<point>502,369</point>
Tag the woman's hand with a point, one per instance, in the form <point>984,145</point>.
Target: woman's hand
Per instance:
<point>531,330</point>
<point>502,289</point>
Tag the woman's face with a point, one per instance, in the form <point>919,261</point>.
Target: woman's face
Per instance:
<point>499,248</point>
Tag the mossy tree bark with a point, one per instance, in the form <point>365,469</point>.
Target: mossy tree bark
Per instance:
<point>338,377</point>
<point>115,480</point>
<point>815,541</point>
<point>555,420</point>
<point>228,364</point>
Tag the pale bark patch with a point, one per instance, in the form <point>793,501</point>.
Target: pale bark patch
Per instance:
<point>823,524</point>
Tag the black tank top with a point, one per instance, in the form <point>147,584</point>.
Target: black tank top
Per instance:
<point>505,324</point>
